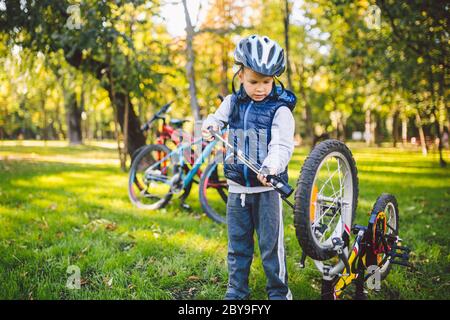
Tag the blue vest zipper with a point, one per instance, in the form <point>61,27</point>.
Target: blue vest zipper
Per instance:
<point>246,144</point>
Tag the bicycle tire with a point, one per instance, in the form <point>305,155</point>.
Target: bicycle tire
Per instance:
<point>133,180</point>
<point>381,204</point>
<point>302,220</point>
<point>210,172</point>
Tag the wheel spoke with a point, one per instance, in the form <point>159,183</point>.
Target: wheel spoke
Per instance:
<point>331,177</point>
<point>339,175</point>
<point>326,211</point>
<point>336,196</point>
<point>328,168</point>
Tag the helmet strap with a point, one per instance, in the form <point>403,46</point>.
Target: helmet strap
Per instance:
<point>234,77</point>
<point>281,84</point>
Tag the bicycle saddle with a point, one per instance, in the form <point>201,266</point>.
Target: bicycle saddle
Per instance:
<point>178,123</point>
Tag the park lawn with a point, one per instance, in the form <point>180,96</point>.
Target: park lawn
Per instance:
<point>63,206</point>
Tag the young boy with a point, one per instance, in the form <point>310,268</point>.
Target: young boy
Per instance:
<point>261,124</point>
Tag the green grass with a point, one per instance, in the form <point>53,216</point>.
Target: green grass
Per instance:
<point>63,206</point>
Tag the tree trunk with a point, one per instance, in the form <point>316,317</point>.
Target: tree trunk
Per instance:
<point>395,123</point>
<point>309,123</point>
<point>135,138</point>
<point>404,131</point>
<point>437,128</point>
<point>61,132</point>
<point>3,128</point>
<point>85,119</point>
<point>368,128</point>
<point>125,128</point>
<point>224,69</point>
<point>44,124</point>
<point>73,118</point>
<point>113,98</point>
<point>378,136</point>
<point>287,12</point>
<point>423,143</point>
<point>341,127</point>
<point>190,71</point>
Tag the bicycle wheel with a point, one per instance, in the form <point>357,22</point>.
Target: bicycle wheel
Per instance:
<point>325,199</point>
<point>136,152</point>
<point>151,174</point>
<point>213,191</point>
<point>382,232</point>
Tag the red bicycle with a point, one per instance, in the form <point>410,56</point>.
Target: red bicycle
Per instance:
<point>213,186</point>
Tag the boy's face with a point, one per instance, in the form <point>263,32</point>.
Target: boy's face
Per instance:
<point>256,85</point>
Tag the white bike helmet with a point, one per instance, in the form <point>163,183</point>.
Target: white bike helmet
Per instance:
<point>260,54</point>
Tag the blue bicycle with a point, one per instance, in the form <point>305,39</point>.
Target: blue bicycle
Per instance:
<point>157,174</point>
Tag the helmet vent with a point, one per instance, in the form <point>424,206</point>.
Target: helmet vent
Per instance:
<point>260,50</point>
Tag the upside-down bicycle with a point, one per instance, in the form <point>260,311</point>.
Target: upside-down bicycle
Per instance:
<point>324,212</point>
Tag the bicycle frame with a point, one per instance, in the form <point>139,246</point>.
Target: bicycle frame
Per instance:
<point>167,132</point>
<point>197,164</point>
<point>179,151</point>
<point>361,258</point>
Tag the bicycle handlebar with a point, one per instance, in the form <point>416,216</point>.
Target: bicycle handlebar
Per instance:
<point>157,115</point>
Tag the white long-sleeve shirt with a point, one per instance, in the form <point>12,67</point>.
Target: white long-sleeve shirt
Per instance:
<point>280,148</point>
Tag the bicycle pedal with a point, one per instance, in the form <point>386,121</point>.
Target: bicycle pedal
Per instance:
<point>405,249</point>
<point>402,263</point>
<point>403,256</point>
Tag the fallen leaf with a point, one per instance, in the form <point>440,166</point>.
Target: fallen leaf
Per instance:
<point>214,279</point>
<point>193,278</point>
<point>111,226</point>
<point>97,223</point>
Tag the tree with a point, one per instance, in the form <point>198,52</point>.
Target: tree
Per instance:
<point>190,70</point>
<point>47,26</point>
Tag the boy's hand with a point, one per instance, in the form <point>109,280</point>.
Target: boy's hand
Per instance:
<point>265,171</point>
<point>207,135</point>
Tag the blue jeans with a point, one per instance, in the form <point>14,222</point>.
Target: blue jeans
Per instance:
<point>245,214</point>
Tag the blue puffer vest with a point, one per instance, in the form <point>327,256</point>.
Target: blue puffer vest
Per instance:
<point>250,131</point>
